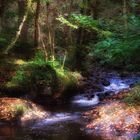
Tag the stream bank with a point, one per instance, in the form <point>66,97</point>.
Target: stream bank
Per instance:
<point>67,121</point>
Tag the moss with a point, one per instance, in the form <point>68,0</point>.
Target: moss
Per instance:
<point>10,85</point>
<point>68,78</point>
<point>68,83</point>
<point>18,110</point>
<point>19,62</point>
<point>38,75</point>
<point>133,97</point>
<point>33,76</point>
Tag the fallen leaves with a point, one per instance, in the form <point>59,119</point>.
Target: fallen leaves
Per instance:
<point>12,109</point>
<point>116,117</point>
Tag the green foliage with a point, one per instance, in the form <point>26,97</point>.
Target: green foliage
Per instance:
<point>118,52</point>
<point>46,1</point>
<point>67,80</point>
<point>121,49</point>
<point>76,21</point>
<point>37,72</point>
<point>34,75</point>
<point>10,14</point>
<point>3,41</point>
<point>19,109</point>
<point>20,77</point>
<point>133,98</point>
<point>43,1</point>
<point>102,22</point>
<point>40,60</point>
<point>64,21</point>
<point>105,34</point>
<point>85,21</point>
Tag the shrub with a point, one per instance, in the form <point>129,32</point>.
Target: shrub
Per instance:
<point>122,49</point>
<point>39,73</point>
<point>118,52</point>
<point>36,74</point>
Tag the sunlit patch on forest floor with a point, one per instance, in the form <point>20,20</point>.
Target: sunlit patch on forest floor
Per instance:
<point>16,110</point>
<point>115,119</point>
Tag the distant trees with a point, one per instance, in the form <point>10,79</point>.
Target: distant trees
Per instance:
<point>21,25</point>
<point>65,29</point>
<point>21,11</point>
<point>125,15</point>
<point>2,8</point>
<point>36,32</point>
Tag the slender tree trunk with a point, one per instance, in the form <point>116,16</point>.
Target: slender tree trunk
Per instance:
<point>95,8</point>
<point>22,10</point>
<point>51,36</point>
<point>43,43</point>
<point>125,16</point>
<point>36,32</point>
<point>2,8</point>
<point>14,40</point>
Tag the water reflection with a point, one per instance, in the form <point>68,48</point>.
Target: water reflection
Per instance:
<point>67,131</point>
<point>57,118</point>
<point>9,132</point>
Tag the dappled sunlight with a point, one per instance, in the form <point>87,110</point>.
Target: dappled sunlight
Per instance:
<point>19,62</point>
<point>115,118</point>
<point>20,111</point>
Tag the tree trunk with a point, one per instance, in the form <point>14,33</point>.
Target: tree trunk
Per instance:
<point>18,33</point>
<point>21,12</point>
<point>125,16</point>
<point>36,32</point>
<point>2,8</point>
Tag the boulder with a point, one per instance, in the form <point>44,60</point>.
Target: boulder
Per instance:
<point>108,93</point>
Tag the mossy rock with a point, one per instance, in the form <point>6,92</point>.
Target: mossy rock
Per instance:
<point>35,77</point>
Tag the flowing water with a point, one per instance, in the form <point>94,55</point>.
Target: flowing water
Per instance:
<point>66,122</point>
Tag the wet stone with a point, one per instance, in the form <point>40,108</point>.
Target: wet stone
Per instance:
<point>105,83</point>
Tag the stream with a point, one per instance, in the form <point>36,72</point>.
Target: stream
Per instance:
<point>66,121</point>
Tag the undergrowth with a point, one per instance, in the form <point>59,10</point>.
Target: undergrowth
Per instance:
<point>38,73</point>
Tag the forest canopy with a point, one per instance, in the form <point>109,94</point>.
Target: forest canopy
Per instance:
<point>104,30</point>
